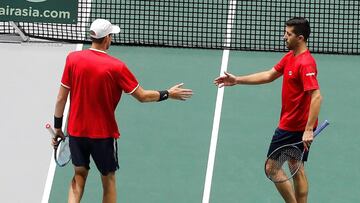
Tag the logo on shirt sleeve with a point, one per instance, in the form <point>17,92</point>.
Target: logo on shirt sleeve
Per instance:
<point>310,74</point>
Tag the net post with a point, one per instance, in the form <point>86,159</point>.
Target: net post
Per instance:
<point>19,31</point>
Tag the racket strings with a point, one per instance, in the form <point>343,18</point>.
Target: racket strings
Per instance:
<point>63,154</point>
<point>283,164</point>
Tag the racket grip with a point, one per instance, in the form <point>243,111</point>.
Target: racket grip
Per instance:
<point>50,129</point>
<point>321,127</point>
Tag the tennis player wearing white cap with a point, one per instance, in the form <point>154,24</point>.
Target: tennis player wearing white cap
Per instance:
<point>95,81</point>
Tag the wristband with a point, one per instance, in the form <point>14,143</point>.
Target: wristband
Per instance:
<point>164,95</point>
<point>58,122</point>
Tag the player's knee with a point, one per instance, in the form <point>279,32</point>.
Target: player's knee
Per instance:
<point>300,181</point>
<point>108,181</point>
<point>302,193</point>
<point>78,184</point>
<point>267,168</point>
<point>79,179</point>
<point>81,172</point>
<point>300,175</point>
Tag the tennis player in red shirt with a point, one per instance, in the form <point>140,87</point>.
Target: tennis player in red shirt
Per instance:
<point>301,100</point>
<point>95,81</point>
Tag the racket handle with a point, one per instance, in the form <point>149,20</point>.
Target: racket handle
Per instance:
<point>321,127</point>
<point>50,129</point>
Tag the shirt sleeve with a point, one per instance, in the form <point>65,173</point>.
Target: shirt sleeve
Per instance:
<point>66,77</point>
<point>309,77</point>
<point>279,67</point>
<point>125,79</point>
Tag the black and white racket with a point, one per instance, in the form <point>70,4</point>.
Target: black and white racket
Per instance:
<point>284,162</point>
<point>62,153</point>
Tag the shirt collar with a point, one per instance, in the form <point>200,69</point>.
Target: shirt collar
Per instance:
<point>97,50</point>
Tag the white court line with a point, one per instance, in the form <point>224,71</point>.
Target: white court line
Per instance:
<point>218,106</point>
<point>52,167</point>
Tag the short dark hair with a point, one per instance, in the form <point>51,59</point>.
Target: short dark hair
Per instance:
<point>99,41</point>
<point>301,26</point>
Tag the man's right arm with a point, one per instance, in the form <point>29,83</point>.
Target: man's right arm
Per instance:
<point>58,115</point>
<point>61,101</point>
<point>176,92</point>
<point>252,79</point>
<point>258,78</point>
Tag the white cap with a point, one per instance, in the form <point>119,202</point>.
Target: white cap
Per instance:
<point>101,28</point>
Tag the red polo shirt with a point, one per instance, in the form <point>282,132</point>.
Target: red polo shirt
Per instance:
<point>299,76</point>
<point>96,81</point>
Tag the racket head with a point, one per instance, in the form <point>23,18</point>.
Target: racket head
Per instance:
<point>283,163</point>
<point>62,153</point>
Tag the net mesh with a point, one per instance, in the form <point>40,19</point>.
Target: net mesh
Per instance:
<point>257,25</point>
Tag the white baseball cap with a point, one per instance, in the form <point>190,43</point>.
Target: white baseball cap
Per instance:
<point>101,28</point>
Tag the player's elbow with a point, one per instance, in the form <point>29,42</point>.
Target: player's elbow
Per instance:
<point>142,95</point>
<point>320,98</point>
<point>269,77</point>
<point>317,97</point>
<point>61,99</point>
<point>141,98</point>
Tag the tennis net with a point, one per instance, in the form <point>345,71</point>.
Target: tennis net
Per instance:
<point>257,24</point>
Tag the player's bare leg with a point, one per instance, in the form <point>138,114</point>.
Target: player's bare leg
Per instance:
<point>301,185</point>
<point>109,188</point>
<point>77,185</point>
<point>285,189</point>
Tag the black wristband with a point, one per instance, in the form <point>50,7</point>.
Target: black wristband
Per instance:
<point>164,95</point>
<point>58,122</point>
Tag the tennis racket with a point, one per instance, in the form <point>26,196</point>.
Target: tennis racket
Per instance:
<point>284,162</point>
<point>62,153</point>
